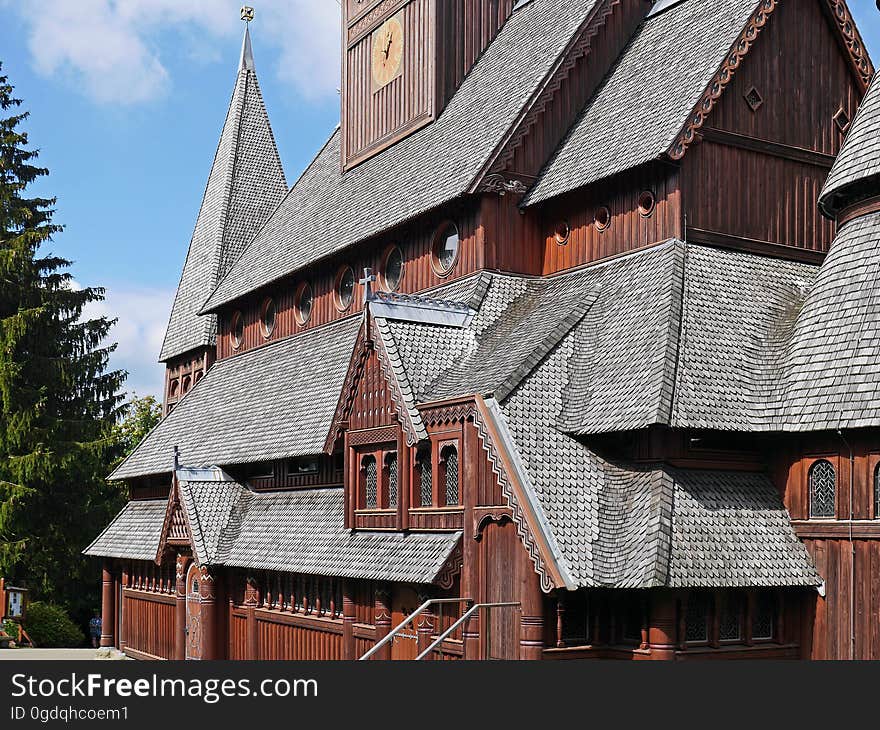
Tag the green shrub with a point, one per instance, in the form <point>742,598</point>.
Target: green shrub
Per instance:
<point>11,628</point>
<point>49,626</point>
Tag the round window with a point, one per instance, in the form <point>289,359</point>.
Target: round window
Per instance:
<point>392,269</point>
<point>562,233</point>
<point>303,303</point>
<point>237,330</point>
<point>344,288</point>
<point>267,318</point>
<point>446,248</point>
<point>647,203</point>
<point>603,218</point>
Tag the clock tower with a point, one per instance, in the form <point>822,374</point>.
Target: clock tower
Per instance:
<point>402,62</point>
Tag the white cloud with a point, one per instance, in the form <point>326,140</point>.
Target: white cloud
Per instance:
<point>110,49</point>
<point>143,316</point>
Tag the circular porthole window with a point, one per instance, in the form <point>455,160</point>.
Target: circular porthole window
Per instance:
<point>267,317</point>
<point>303,303</point>
<point>562,233</point>
<point>647,203</point>
<point>603,218</point>
<point>237,330</point>
<point>344,288</point>
<point>445,249</point>
<point>392,268</point>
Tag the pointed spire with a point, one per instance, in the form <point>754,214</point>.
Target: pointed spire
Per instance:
<point>247,52</point>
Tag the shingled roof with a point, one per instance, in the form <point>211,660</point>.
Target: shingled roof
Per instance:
<point>133,534</point>
<point>644,102</point>
<point>856,172</point>
<point>425,170</point>
<point>245,185</point>
<point>273,402</point>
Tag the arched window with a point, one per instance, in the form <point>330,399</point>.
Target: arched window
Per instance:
<point>823,481</point>
<point>877,492</point>
<point>391,469</point>
<point>368,465</point>
<point>423,467</point>
<point>449,457</point>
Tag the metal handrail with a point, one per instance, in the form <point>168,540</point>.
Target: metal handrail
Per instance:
<point>399,628</point>
<point>467,614</point>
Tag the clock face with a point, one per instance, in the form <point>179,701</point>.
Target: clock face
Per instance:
<point>387,52</point>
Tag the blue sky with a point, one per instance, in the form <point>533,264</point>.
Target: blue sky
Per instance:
<point>128,98</point>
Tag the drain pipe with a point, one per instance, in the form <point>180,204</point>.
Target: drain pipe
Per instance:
<point>852,547</point>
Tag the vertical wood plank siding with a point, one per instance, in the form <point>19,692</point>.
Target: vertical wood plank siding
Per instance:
<point>149,623</point>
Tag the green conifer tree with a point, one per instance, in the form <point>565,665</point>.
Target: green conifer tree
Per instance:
<point>58,399</point>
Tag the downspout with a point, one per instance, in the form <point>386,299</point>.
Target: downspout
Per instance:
<point>852,547</point>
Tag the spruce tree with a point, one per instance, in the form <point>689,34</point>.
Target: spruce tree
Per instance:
<point>58,399</point>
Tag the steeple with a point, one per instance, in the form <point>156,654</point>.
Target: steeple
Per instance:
<point>245,185</point>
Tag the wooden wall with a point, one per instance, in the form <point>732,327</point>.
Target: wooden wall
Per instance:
<point>415,241</point>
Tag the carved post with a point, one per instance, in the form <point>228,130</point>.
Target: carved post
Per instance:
<point>662,625</point>
<point>425,630</point>
<point>182,564</point>
<point>560,620</point>
<point>108,604</point>
<point>122,628</point>
<point>470,633</point>
<point>208,613</point>
<point>383,620</point>
<point>348,619</point>
<point>531,643</point>
<point>251,599</point>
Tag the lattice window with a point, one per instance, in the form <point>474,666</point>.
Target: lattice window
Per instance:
<point>426,486</point>
<point>697,618</point>
<point>391,466</point>
<point>877,493</point>
<point>729,622</point>
<point>368,466</point>
<point>764,616</point>
<point>450,459</point>
<point>823,481</point>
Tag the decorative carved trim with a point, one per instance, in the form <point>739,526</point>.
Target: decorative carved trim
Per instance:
<point>372,436</point>
<point>579,46</point>
<point>500,517</point>
<point>448,414</point>
<point>852,41</point>
<point>361,25</point>
<point>722,78</point>
<point>451,568</point>
<point>519,519</point>
<point>496,183</point>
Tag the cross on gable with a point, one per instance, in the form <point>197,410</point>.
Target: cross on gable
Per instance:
<point>367,282</point>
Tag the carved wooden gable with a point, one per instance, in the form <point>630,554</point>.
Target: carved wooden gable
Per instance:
<point>175,529</point>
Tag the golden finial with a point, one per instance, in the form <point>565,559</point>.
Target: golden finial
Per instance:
<point>247,13</point>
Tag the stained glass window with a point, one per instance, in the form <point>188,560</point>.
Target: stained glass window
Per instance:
<point>729,628</point>
<point>823,481</point>
<point>391,465</point>
<point>423,461</point>
<point>370,481</point>
<point>450,457</point>
<point>764,616</point>
<point>697,618</point>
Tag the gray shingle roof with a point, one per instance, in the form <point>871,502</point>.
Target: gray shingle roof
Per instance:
<point>245,185</point>
<point>856,172</point>
<point>273,402</point>
<point>423,171</point>
<point>831,373</point>
<point>645,100</point>
<point>134,532</point>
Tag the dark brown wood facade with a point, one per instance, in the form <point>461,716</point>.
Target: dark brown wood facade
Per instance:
<point>749,181</point>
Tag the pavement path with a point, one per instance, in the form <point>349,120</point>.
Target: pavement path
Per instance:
<point>47,654</point>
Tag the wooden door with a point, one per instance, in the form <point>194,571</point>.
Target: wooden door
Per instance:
<point>403,602</point>
<point>193,614</point>
<point>500,562</point>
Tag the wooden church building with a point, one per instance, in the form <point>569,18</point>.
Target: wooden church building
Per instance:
<point>565,345</point>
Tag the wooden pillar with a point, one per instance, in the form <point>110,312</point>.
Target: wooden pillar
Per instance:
<point>383,620</point>
<point>251,599</point>
<point>662,625</point>
<point>531,642</point>
<point>425,630</point>
<point>560,619</point>
<point>121,637</point>
<point>182,564</point>
<point>208,613</point>
<point>348,619</point>
<point>108,605</point>
<point>471,633</point>
<point>472,458</point>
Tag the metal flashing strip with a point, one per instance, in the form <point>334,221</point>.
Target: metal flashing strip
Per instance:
<point>410,308</point>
